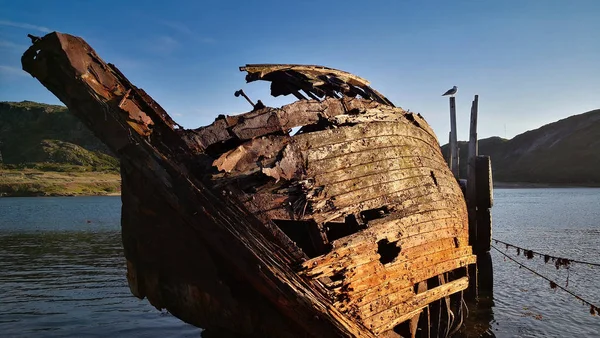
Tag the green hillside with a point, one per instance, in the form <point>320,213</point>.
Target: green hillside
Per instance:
<point>43,140</point>
<point>562,152</point>
<point>36,134</point>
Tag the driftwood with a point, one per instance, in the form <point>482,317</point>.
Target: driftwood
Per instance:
<point>241,227</point>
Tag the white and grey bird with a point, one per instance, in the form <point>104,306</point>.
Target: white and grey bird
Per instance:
<point>451,91</point>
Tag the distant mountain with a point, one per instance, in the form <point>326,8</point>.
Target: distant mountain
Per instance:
<point>562,152</point>
<point>48,136</point>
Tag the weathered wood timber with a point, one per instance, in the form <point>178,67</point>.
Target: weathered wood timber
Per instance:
<point>351,227</point>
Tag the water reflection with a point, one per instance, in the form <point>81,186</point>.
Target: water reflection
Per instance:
<point>60,275</point>
<point>62,270</point>
<point>563,222</point>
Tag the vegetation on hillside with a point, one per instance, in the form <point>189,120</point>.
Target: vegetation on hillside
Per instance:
<point>32,182</point>
<point>44,150</point>
<point>38,133</point>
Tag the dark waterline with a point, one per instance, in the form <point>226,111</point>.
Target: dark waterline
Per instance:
<point>62,271</point>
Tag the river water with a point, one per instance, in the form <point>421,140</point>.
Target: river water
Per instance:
<point>62,271</point>
<point>563,222</point>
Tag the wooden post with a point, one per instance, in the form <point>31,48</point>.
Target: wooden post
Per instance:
<point>471,195</point>
<point>450,151</point>
<point>485,276</point>
<point>471,174</point>
<point>473,152</point>
<point>485,201</point>
<point>453,138</point>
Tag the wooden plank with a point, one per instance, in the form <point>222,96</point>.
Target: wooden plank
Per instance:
<point>423,232</point>
<point>424,254</point>
<point>262,70</point>
<point>347,173</point>
<point>371,178</point>
<point>391,317</point>
<point>329,261</point>
<point>420,222</point>
<point>393,322</point>
<point>268,120</point>
<point>264,121</point>
<point>414,321</point>
<point>367,143</point>
<point>405,265</point>
<point>410,271</point>
<point>401,282</point>
<point>404,201</point>
<point>369,164</point>
<point>396,190</point>
<point>326,138</point>
<point>360,299</point>
<point>244,157</point>
<point>385,302</point>
<point>367,256</point>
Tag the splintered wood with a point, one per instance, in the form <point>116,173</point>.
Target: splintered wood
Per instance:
<point>353,156</point>
<point>240,226</point>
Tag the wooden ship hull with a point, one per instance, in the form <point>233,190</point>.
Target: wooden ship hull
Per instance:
<point>353,226</point>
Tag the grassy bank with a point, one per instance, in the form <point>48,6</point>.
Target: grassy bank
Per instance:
<point>35,182</point>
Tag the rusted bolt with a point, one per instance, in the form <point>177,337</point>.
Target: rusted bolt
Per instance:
<point>241,92</point>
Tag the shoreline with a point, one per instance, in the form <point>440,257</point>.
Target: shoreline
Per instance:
<point>88,193</point>
<point>531,185</point>
<point>39,183</point>
<point>66,194</point>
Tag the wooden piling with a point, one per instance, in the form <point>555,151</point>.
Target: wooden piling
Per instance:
<point>479,203</point>
<point>485,276</point>
<point>471,195</point>
<point>471,173</point>
<point>453,138</point>
<point>484,196</point>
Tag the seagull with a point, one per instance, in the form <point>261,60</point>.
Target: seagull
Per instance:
<point>451,92</point>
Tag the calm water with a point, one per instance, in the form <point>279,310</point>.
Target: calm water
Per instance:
<point>561,222</point>
<point>62,273</point>
<point>63,276</point>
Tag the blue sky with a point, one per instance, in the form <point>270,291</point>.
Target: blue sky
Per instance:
<point>531,62</point>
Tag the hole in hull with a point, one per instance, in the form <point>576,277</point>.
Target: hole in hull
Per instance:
<point>337,230</point>
<point>306,234</point>
<point>387,251</point>
<point>372,214</point>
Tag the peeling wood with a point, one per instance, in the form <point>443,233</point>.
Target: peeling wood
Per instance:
<point>246,157</point>
<point>234,236</point>
<point>326,232</point>
<point>264,121</point>
<point>317,81</point>
<point>387,319</point>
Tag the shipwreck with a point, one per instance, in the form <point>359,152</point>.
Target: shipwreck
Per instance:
<point>352,225</point>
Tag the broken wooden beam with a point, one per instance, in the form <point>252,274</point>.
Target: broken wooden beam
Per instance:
<point>136,129</point>
<point>320,231</point>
